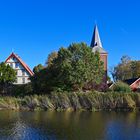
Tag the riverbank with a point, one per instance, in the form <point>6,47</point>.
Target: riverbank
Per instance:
<point>92,101</point>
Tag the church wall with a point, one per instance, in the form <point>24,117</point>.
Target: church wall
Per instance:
<point>103,58</point>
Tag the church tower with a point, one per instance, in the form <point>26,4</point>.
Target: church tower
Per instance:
<point>96,45</point>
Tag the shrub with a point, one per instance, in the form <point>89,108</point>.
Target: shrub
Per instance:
<point>22,90</point>
<point>121,87</point>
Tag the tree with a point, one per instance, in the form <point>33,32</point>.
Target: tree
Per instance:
<point>7,76</point>
<point>39,81</point>
<point>126,69</point>
<point>135,69</point>
<point>125,59</point>
<point>74,68</point>
<point>38,68</point>
<point>51,58</point>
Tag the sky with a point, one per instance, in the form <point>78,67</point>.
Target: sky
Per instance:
<point>35,28</point>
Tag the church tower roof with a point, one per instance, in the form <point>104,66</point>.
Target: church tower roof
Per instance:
<point>96,44</point>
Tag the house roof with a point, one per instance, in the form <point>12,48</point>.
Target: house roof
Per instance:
<point>22,63</point>
<point>96,44</point>
<point>131,81</point>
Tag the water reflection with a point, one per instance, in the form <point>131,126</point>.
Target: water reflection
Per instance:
<point>69,126</point>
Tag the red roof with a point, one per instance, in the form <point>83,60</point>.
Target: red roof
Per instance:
<point>22,63</point>
<point>137,80</point>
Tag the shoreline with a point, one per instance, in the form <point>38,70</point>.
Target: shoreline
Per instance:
<point>70,110</point>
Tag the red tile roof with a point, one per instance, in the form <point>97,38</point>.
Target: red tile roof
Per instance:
<point>22,63</point>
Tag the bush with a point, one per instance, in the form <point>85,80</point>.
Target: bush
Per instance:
<point>21,90</point>
<point>121,87</point>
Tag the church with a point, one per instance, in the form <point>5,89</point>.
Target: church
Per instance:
<point>96,45</point>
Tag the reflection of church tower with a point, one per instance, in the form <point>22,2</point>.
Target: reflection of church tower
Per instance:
<point>96,45</point>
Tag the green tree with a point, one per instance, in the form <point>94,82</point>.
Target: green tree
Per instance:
<point>135,69</point>
<point>7,76</point>
<point>39,81</point>
<point>74,68</point>
<point>38,68</point>
<point>126,69</point>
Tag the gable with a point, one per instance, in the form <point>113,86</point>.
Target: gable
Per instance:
<point>16,62</point>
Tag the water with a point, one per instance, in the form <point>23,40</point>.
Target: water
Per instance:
<point>69,126</point>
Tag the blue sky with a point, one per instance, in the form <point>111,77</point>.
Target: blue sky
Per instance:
<point>34,28</point>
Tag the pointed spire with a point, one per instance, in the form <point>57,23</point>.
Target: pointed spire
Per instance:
<point>96,41</point>
<point>96,44</point>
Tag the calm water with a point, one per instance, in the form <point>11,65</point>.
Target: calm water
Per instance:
<point>69,126</point>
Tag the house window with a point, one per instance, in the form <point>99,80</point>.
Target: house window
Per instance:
<point>16,65</point>
<point>23,80</point>
<point>23,72</point>
<point>13,58</point>
<point>11,65</point>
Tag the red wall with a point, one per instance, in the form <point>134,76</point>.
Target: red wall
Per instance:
<point>135,86</point>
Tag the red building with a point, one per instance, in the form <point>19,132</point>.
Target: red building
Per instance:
<point>134,83</point>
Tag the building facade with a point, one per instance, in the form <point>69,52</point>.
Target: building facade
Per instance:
<point>23,72</point>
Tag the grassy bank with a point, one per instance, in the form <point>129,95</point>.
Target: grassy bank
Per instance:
<point>92,101</point>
